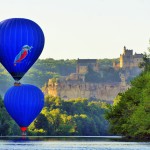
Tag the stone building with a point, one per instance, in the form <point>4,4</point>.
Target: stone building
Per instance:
<point>128,60</point>
<point>83,64</point>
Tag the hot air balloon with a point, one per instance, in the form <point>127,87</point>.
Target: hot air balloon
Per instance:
<point>21,43</point>
<point>24,102</point>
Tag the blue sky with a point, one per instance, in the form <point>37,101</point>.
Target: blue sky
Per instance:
<point>85,28</point>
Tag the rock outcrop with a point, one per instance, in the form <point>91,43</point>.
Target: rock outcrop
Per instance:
<point>75,89</point>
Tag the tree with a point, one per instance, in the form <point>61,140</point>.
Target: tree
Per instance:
<point>146,61</point>
<point>41,122</point>
<point>6,123</point>
<point>130,115</point>
<point>92,76</point>
<point>72,117</point>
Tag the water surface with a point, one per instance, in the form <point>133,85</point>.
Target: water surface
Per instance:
<point>70,143</point>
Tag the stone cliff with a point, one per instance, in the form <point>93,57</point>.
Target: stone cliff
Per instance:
<point>75,89</point>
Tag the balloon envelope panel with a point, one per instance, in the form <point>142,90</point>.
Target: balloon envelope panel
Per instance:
<point>24,103</point>
<point>21,43</point>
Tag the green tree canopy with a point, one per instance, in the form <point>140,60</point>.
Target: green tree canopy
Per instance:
<point>130,113</point>
<point>72,117</point>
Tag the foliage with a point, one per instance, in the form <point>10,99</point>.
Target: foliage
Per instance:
<point>92,76</point>
<point>110,75</point>
<point>62,67</point>
<point>105,75</point>
<point>5,80</point>
<point>7,125</point>
<point>45,69</point>
<point>73,117</point>
<point>130,113</point>
<point>40,73</point>
<point>146,62</point>
<point>106,63</point>
<point>59,117</point>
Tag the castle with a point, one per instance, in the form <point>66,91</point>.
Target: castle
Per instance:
<point>74,85</point>
<point>128,60</point>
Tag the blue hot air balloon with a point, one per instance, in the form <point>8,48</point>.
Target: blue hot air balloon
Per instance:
<point>21,43</point>
<point>24,102</point>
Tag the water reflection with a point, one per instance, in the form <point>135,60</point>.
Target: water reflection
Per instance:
<point>62,138</point>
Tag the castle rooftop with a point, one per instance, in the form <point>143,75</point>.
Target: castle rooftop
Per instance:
<point>86,60</point>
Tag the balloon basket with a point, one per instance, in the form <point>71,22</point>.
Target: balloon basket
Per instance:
<point>24,133</point>
<point>17,83</point>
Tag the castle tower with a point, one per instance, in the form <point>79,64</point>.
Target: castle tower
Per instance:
<point>128,60</point>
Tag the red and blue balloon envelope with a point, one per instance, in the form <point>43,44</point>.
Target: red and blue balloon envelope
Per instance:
<point>21,43</point>
<point>24,103</point>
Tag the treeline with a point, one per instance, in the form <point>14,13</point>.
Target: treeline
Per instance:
<point>40,72</point>
<point>130,113</point>
<point>45,69</point>
<point>59,117</point>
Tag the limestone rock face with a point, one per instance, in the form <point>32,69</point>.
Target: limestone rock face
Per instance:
<point>75,89</point>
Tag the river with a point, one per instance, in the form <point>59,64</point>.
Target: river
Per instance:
<point>70,143</point>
